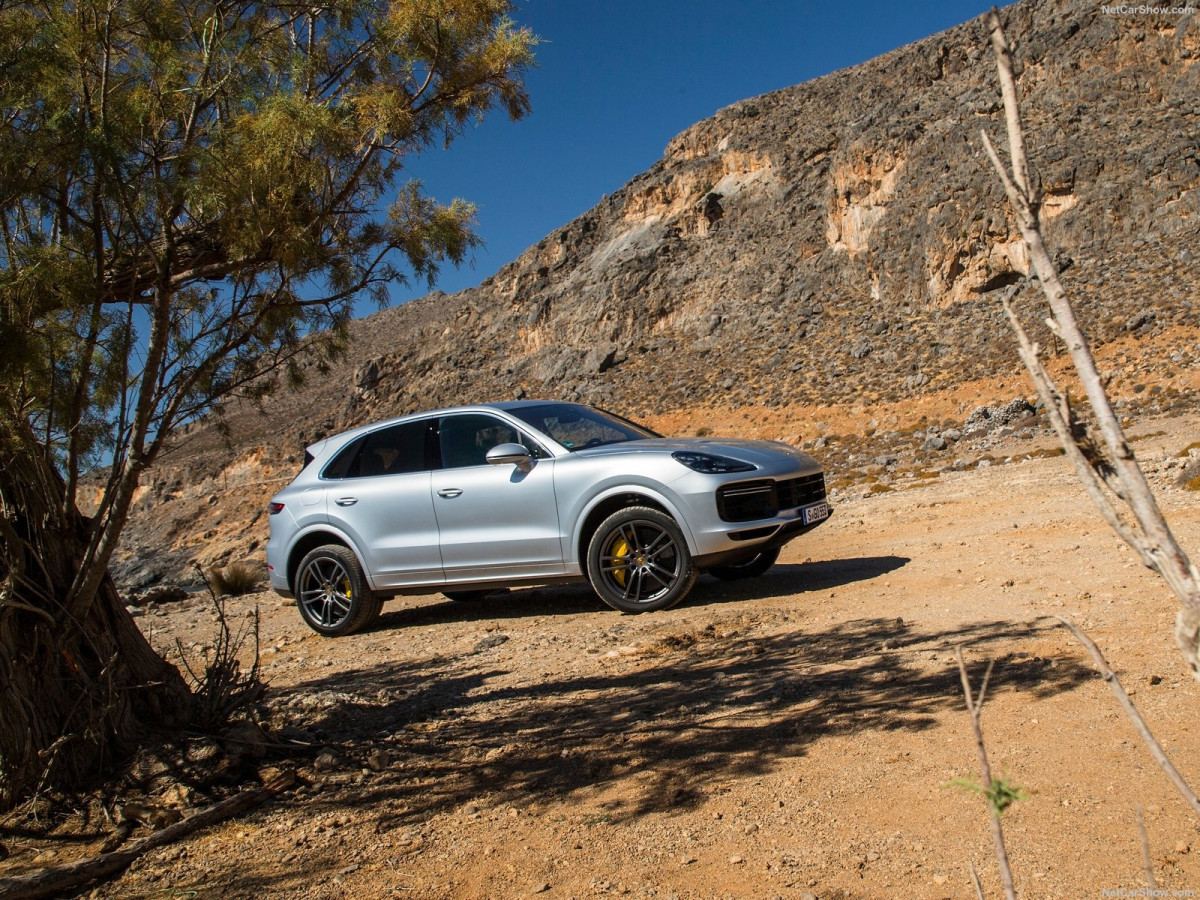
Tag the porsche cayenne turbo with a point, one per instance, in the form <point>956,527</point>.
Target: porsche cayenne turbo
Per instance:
<point>468,500</point>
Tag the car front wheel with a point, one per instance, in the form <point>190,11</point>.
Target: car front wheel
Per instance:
<point>332,593</point>
<point>638,561</point>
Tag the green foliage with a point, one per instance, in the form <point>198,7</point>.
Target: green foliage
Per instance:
<point>1000,796</point>
<point>213,183</point>
<point>192,194</point>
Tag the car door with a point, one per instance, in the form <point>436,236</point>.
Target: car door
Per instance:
<point>380,495</point>
<point>496,521</point>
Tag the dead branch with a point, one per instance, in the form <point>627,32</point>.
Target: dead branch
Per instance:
<point>1131,711</point>
<point>974,707</point>
<point>1109,463</point>
<point>978,885</point>
<point>1147,860</point>
<point>60,879</point>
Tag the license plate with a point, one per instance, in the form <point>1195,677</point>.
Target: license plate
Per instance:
<point>816,513</point>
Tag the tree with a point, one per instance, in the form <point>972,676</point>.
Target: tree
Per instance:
<point>191,193</point>
<point>1100,453</point>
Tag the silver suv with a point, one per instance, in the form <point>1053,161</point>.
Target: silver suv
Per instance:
<point>472,499</point>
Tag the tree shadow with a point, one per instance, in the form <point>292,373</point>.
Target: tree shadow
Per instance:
<point>653,733</point>
<point>693,708</point>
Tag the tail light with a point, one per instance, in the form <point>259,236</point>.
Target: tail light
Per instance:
<point>274,508</point>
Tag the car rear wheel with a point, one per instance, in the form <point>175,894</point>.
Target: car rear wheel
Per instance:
<point>638,561</point>
<point>332,593</point>
<point>747,568</point>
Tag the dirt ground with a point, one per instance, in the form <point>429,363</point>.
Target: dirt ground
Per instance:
<point>793,736</point>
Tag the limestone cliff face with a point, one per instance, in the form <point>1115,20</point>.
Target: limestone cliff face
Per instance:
<point>838,240</point>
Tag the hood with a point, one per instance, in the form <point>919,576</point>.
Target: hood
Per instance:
<point>760,453</point>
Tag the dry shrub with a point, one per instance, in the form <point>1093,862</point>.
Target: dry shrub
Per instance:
<point>1046,453</point>
<point>220,687</point>
<point>1189,478</point>
<point>235,580</point>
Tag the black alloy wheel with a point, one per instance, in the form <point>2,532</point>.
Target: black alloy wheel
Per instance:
<point>332,593</point>
<point>638,561</point>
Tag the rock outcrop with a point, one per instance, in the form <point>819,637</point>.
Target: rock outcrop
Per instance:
<point>838,241</point>
<point>843,237</point>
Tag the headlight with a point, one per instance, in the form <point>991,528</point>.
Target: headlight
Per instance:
<point>709,464</point>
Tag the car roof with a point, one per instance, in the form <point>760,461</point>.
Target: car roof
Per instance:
<point>523,404</point>
<point>503,405</point>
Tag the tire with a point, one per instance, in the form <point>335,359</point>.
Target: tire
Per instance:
<point>750,568</point>
<point>332,593</point>
<point>638,561</point>
<point>465,596</point>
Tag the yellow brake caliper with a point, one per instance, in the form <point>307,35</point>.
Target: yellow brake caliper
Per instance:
<point>620,549</point>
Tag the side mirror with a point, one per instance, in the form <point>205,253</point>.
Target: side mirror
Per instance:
<point>510,454</point>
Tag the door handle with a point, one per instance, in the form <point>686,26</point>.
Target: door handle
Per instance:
<point>346,501</point>
<point>449,492</point>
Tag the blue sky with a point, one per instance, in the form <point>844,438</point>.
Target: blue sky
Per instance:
<point>617,79</point>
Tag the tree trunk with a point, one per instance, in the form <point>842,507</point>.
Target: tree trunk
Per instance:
<point>77,692</point>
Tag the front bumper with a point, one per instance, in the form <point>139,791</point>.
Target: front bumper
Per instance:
<point>740,516</point>
<point>759,539</point>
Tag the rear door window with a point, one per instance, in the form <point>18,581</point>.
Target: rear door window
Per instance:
<point>395,450</point>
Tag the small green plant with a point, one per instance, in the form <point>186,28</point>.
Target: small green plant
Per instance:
<point>1000,796</point>
<point>235,580</point>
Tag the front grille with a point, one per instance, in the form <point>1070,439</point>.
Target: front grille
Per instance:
<point>746,501</point>
<point>801,491</point>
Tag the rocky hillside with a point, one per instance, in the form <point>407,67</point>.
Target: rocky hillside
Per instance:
<point>837,243</point>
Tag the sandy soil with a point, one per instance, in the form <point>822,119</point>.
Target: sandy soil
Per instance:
<point>793,736</point>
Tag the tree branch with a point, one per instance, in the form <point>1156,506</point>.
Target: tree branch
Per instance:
<point>974,708</point>
<point>1114,461</point>
<point>1114,684</point>
<point>60,879</point>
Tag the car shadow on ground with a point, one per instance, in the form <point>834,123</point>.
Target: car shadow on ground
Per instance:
<point>572,599</point>
<point>785,580</point>
<point>656,732</point>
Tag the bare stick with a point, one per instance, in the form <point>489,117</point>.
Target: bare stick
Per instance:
<point>976,882</point>
<point>1131,711</point>
<point>974,707</point>
<point>1111,460</point>
<point>1146,858</point>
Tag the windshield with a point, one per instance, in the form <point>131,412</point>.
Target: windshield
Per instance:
<point>580,427</point>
